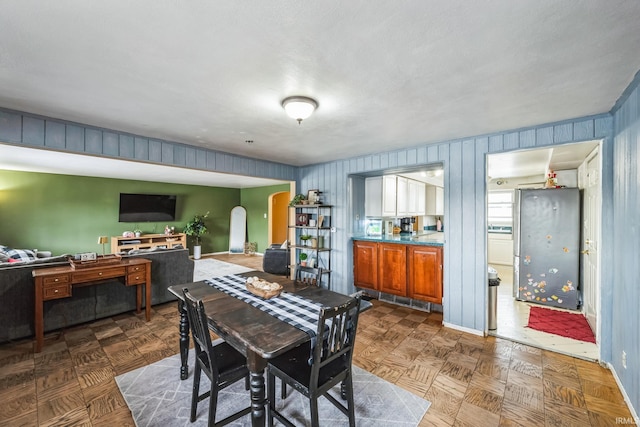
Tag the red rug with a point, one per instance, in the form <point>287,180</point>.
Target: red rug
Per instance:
<point>561,323</point>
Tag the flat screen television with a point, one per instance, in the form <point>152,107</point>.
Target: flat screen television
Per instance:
<point>147,207</point>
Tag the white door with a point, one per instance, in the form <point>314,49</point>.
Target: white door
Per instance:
<point>591,234</point>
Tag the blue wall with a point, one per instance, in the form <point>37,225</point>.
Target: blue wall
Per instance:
<point>625,282</point>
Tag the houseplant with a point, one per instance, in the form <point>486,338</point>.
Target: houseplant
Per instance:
<point>303,259</point>
<point>196,228</point>
<point>304,239</point>
<point>297,199</point>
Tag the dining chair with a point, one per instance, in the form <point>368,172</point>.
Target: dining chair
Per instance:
<point>314,371</point>
<point>220,362</point>
<point>312,276</point>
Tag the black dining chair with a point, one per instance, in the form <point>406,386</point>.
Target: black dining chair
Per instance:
<point>308,275</point>
<point>220,362</point>
<point>314,371</point>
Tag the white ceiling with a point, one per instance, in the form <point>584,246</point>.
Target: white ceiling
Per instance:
<point>385,74</point>
<point>537,162</point>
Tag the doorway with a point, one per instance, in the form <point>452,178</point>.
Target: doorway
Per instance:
<point>576,165</point>
<point>278,203</point>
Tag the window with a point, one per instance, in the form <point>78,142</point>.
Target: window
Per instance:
<point>500,207</point>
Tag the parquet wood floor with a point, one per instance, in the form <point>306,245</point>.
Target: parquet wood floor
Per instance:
<point>470,380</point>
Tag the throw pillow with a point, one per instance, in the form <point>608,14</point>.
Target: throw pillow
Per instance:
<point>21,254</point>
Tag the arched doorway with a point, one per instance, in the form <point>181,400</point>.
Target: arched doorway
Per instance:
<point>278,205</point>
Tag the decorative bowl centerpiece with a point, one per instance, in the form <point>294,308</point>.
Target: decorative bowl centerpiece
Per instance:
<point>262,288</point>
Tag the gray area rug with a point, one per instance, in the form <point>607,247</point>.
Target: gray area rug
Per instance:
<point>157,397</point>
<point>207,268</point>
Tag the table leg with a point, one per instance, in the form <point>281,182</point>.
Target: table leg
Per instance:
<point>256,365</point>
<point>147,288</point>
<point>139,299</point>
<point>184,341</point>
<point>38,321</point>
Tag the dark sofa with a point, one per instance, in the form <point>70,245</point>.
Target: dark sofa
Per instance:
<point>168,267</point>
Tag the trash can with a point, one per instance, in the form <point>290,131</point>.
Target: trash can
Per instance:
<point>494,282</point>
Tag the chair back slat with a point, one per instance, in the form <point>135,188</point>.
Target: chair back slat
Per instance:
<point>200,329</point>
<point>336,335</point>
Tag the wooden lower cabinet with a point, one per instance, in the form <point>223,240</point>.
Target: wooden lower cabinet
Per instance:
<point>413,271</point>
<point>425,273</point>
<point>392,269</point>
<point>365,264</point>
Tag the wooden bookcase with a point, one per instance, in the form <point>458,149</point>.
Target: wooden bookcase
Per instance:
<point>121,244</point>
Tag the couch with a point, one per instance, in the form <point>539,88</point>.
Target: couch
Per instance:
<point>168,267</point>
<point>276,260</point>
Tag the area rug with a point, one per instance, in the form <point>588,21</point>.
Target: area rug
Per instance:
<point>157,397</point>
<point>563,323</point>
<point>207,268</point>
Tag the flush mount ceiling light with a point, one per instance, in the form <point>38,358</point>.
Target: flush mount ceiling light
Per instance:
<point>299,107</point>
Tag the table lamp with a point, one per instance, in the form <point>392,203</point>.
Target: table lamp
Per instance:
<point>102,240</point>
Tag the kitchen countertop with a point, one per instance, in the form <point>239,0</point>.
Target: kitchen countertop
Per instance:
<point>433,238</point>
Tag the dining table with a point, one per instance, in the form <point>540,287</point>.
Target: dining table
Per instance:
<point>255,333</point>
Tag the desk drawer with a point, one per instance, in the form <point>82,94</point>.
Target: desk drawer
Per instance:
<point>56,290</point>
<point>107,273</point>
<point>136,278</point>
<point>56,280</point>
<point>141,268</point>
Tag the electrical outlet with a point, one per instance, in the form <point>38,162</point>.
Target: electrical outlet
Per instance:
<point>265,216</point>
<point>624,359</point>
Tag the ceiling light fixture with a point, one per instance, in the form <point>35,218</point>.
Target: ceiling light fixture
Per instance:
<point>299,107</point>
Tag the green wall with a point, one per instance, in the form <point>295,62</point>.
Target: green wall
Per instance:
<point>256,202</point>
<point>66,214</point>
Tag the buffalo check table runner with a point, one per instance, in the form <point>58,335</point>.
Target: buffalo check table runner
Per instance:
<point>295,310</point>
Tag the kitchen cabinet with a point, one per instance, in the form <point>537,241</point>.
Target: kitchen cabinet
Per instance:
<point>434,200</point>
<point>425,273</point>
<point>365,264</point>
<point>380,196</point>
<point>402,199</point>
<point>416,196</point>
<point>500,249</point>
<point>413,271</point>
<point>392,268</point>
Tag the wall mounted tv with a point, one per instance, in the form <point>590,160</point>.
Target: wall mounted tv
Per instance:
<point>147,207</point>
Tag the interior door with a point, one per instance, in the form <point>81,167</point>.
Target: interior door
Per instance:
<point>590,233</point>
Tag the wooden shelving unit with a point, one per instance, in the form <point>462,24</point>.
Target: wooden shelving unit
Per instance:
<point>121,244</point>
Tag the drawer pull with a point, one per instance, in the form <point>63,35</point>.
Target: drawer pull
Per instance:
<point>137,277</point>
<point>100,274</point>
<point>55,291</point>
<point>56,280</point>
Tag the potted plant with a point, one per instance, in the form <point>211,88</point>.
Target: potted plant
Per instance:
<point>298,199</point>
<point>137,232</point>
<point>303,259</point>
<point>196,228</point>
<point>304,239</point>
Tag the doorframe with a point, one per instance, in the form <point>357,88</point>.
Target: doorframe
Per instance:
<point>599,225</point>
<point>598,232</point>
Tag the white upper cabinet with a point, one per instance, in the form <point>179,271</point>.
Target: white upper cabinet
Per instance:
<point>434,200</point>
<point>402,199</point>
<point>392,195</point>
<point>416,198</point>
<point>380,196</point>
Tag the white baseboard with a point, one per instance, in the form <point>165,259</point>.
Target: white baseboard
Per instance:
<point>634,414</point>
<point>463,329</point>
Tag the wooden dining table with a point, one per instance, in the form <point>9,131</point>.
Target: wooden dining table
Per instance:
<point>253,332</point>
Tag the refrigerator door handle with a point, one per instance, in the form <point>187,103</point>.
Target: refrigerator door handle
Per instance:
<point>516,275</point>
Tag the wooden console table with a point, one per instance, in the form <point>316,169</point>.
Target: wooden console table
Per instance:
<point>58,282</point>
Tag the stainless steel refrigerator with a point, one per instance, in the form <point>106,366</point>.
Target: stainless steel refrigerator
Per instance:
<point>547,247</point>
